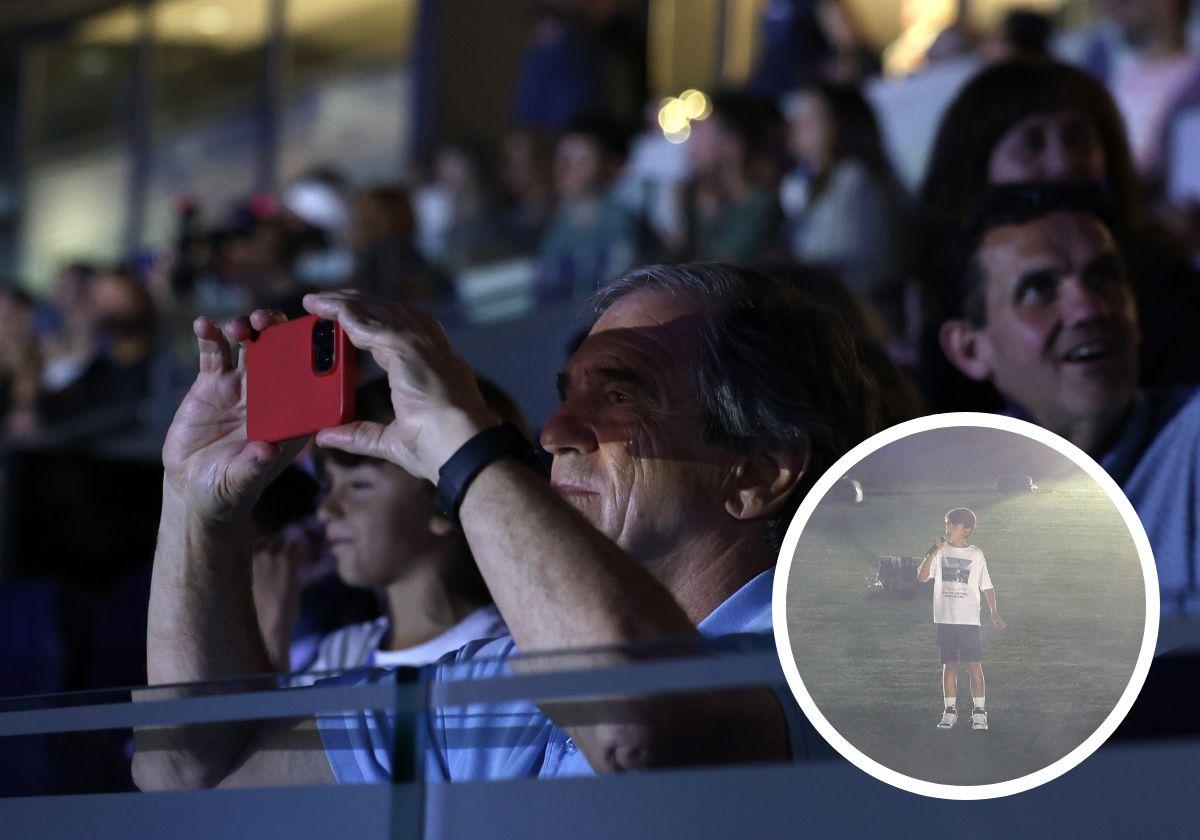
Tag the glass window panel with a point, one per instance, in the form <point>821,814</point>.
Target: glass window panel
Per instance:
<point>208,59</point>
<point>208,73</point>
<point>78,86</point>
<point>77,94</point>
<point>348,84</point>
<point>352,35</point>
<point>75,209</point>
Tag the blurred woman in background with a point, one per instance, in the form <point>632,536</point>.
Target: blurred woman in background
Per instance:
<point>1043,121</point>
<point>853,215</point>
<point>731,205</point>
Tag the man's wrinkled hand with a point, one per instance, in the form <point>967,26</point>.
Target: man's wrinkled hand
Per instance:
<point>208,462</point>
<point>437,403</point>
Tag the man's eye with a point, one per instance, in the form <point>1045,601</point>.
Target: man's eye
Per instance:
<point>360,485</point>
<point>1033,140</point>
<point>614,397</point>
<point>1036,290</point>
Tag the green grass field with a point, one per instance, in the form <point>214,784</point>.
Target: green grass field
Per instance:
<point>1067,580</point>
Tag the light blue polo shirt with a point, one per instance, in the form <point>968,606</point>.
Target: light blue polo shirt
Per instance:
<point>1156,461</point>
<point>511,740</point>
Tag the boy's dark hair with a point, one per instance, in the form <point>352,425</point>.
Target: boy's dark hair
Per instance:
<point>1014,204</point>
<point>961,516</point>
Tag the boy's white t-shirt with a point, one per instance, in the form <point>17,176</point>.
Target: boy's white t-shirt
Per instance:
<point>357,645</point>
<point>958,576</point>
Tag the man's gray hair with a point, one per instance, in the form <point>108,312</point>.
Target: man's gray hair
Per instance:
<point>774,371</point>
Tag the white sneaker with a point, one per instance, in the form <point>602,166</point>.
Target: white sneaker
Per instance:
<point>949,718</point>
<point>979,718</point>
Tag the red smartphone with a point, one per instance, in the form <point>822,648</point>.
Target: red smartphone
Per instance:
<point>299,379</point>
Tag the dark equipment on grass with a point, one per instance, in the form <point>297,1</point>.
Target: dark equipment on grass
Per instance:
<point>897,575</point>
<point>1016,484</point>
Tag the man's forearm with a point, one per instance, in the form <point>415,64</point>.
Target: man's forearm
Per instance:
<point>202,626</point>
<point>202,621</point>
<point>559,583</point>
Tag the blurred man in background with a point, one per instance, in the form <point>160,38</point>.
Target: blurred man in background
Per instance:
<point>1045,312</point>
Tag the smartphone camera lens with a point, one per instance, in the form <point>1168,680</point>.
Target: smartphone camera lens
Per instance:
<point>323,347</point>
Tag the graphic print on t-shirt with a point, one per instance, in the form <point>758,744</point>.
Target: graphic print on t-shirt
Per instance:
<point>959,575</point>
<point>955,569</point>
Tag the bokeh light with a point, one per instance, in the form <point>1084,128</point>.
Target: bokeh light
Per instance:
<point>697,104</point>
<point>212,20</point>
<point>679,136</point>
<point>676,113</point>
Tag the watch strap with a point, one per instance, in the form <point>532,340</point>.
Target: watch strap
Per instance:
<point>463,466</point>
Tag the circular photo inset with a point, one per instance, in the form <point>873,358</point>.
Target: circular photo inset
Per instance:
<point>966,606</point>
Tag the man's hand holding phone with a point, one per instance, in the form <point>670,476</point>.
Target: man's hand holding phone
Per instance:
<point>202,623</point>
<point>437,403</point>
<point>218,472</point>
<point>209,464</point>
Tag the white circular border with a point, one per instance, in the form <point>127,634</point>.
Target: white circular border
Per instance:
<point>792,673</point>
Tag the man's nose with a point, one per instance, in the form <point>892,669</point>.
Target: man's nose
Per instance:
<point>1080,301</point>
<point>571,428</point>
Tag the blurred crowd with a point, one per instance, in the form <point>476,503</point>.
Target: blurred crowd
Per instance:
<point>790,173</point>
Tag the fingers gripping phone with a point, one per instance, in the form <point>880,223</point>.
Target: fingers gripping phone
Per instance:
<point>299,379</point>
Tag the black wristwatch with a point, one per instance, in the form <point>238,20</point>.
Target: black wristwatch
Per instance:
<point>460,470</point>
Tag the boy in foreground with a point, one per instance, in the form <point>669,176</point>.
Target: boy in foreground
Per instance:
<point>959,573</point>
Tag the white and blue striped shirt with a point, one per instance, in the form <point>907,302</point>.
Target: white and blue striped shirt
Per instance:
<point>512,739</point>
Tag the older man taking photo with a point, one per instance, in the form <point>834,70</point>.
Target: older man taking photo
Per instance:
<point>702,405</point>
<point>1046,314</point>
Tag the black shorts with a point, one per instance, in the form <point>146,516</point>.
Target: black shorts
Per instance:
<point>960,642</point>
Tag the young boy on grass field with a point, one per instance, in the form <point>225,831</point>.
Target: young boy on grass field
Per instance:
<point>959,574</point>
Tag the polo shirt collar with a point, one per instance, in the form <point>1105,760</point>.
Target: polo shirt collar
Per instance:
<point>1123,455</point>
<point>743,611</point>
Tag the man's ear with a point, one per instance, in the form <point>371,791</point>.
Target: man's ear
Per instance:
<point>965,347</point>
<point>762,484</point>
